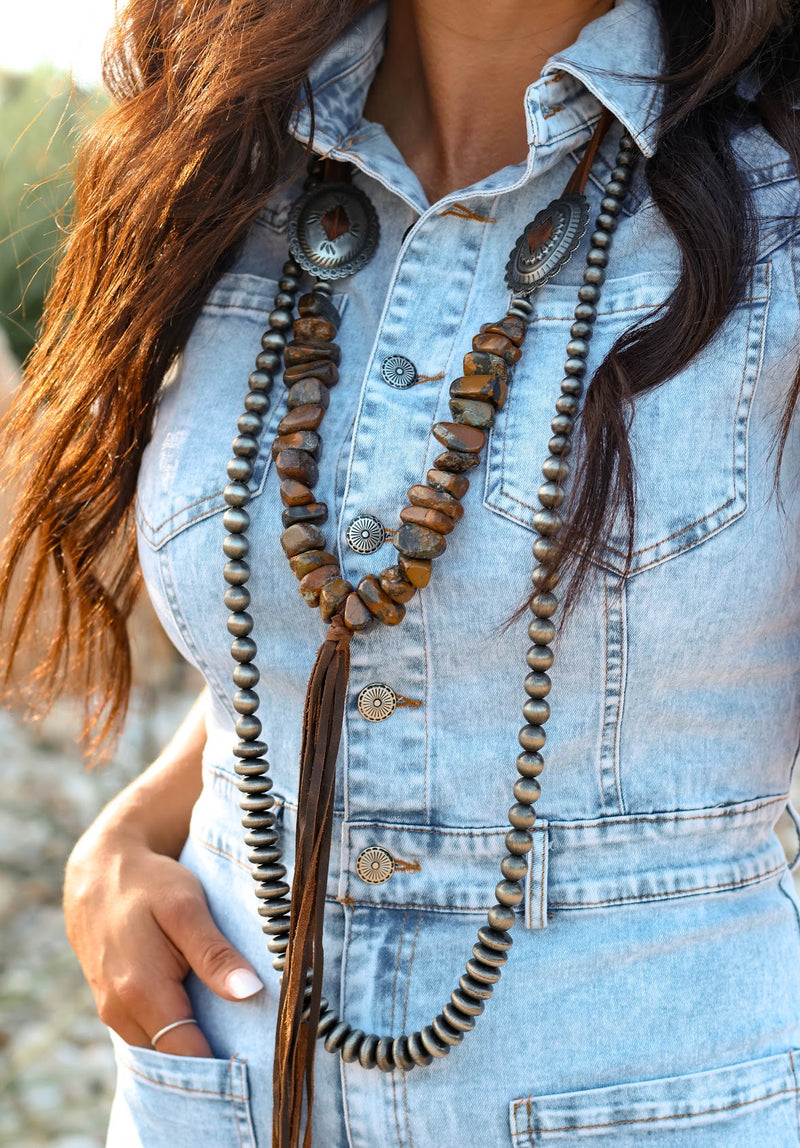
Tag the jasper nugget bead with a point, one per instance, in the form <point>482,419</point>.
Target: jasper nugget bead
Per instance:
<point>333,596</point>
<point>456,461</point>
<point>378,601</point>
<point>457,437</point>
<point>419,542</point>
<point>417,570</point>
<point>357,616</point>
<point>455,484</point>
<point>301,537</point>
<point>435,500</point>
<point>429,519</point>
<point>394,583</point>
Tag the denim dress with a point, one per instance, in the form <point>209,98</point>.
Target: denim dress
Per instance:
<point>652,994</point>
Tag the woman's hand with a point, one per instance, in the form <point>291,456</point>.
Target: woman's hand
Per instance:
<point>138,921</point>
<point>136,918</point>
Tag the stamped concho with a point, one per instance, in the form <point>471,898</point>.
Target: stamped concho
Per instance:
<point>547,243</point>
<point>333,230</point>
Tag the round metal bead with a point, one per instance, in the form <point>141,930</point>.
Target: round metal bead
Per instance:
<point>292,267</point>
<point>477,989</point>
<point>417,1051</point>
<point>507,893</point>
<point>246,675</point>
<point>366,1054</point>
<point>337,1036</point>
<point>239,469</point>
<point>537,685</point>
<point>250,423</point>
<point>610,205</point>
<point>551,495</point>
<point>352,1046</point>
<point>240,624</point>
<point>269,361</point>
<point>541,631</point>
<point>514,867</point>
<point>466,1005</point>
<point>400,1054</point>
<point>236,519</point>
<point>522,816</point>
<point>539,657</point>
<point>435,1046</point>
<point>596,257</point>
<point>284,299</point>
<point>544,605</point>
<point>236,494</point>
<point>578,348</point>
<point>586,312</point>
<point>523,304</point>
<point>383,1054</point>
<point>606,222</point>
<point>243,649</point>
<point>580,329</point>
<point>500,917</point>
<point>280,319</point>
<point>536,711</point>
<point>456,1019</point>
<point>236,572</point>
<point>237,597</point>
<point>562,424</point>
<point>567,405</point>
<point>288,283</point>
<point>555,469</point>
<point>544,578</point>
<point>245,446</point>
<point>600,240</point>
<point>559,444</point>
<point>261,381</point>
<point>588,293</point>
<point>245,701</point>
<point>615,187</point>
<point>278,944</point>
<point>572,385</point>
<point>322,287</point>
<point>575,366</point>
<point>530,764</point>
<point>273,341</point>
<point>235,546</point>
<point>547,522</point>
<point>256,401</point>
<point>446,1032</point>
<point>546,550</point>
<point>519,841</point>
<point>527,790</point>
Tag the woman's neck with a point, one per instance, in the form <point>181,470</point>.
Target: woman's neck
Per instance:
<point>450,87</point>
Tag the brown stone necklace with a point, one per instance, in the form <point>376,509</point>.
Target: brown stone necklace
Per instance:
<point>333,233</point>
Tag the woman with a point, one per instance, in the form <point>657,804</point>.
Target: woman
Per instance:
<point>653,988</point>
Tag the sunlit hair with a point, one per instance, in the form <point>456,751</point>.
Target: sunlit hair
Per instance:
<point>168,182</point>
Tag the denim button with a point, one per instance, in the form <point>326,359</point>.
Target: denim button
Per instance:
<point>377,701</point>
<point>374,865</point>
<point>398,371</point>
<point>365,534</point>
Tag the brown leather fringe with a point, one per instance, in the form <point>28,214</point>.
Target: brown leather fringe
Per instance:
<point>295,1038</point>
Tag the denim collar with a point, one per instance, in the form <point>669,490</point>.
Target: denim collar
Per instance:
<point>608,65</point>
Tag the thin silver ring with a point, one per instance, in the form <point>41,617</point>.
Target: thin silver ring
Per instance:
<point>169,1027</point>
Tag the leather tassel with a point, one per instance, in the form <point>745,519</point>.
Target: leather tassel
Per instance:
<point>295,1038</point>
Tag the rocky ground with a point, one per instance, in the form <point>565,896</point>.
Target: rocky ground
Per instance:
<point>56,1067</point>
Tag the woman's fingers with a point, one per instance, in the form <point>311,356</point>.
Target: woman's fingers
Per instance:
<point>186,920</point>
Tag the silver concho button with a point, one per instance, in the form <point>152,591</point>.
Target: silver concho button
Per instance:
<point>333,230</point>
<point>365,534</point>
<point>547,243</point>
<point>398,371</point>
<point>377,701</point>
<point>374,865</point>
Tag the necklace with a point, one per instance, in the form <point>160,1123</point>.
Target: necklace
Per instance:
<point>334,232</point>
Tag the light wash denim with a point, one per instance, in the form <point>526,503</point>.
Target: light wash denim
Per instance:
<point>653,991</point>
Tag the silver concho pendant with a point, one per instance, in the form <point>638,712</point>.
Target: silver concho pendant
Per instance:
<point>333,230</point>
<point>547,243</point>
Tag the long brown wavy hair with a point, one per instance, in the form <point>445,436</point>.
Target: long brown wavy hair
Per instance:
<point>168,182</point>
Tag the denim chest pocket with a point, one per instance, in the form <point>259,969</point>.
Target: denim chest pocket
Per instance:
<point>183,472</point>
<point>754,1103</point>
<point>688,436</point>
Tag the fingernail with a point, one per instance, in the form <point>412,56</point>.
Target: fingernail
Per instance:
<point>241,983</point>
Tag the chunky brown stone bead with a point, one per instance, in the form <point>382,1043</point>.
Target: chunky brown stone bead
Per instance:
<point>456,462</point>
<point>322,369</point>
<point>510,325</point>
<point>455,436</point>
<point>332,597</point>
<point>497,345</point>
<point>309,560</point>
<point>394,583</point>
<point>484,388</point>
<point>313,329</point>
<point>301,537</point>
<point>300,440</point>
<point>484,363</point>
<point>472,413</point>
<point>311,585</point>
<point>307,417</point>
<point>417,570</point>
<point>430,519</point>
<point>307,352</point>
<point>379,603</point>
<point>295,493</point>
<point>356,614</point>
<point>309,392</point>
<point>455,484</point>
<point>297,464</point>
<point>314,306</point>
<point>435,500</point>
<point>311,512</point>
<point>419,542</point>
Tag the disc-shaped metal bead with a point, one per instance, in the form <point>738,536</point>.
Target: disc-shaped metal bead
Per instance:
<point>434,1044</point>
<point>366,1054</point>
<point>500,917</point>
<point>383,1054</point>
<point>547,243</point>
<point>337,1036</point>
<point>365,534</point>
<point>374,865</point>
<point>456,1019</point>
<point>417,1051</point>
<point>333,230</point>
<point>467,1005</point>
<point>447,1033</point>
<point>482,973</point>
<point>352,1046</point>
<point>400,1054</point>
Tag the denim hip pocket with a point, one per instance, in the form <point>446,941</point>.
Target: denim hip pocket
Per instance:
<point>753,1104</point>
<point>165,1101</point>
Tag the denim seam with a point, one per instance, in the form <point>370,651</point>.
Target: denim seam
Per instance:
<point>612,694</point>
<point>796,1092</point>
<point>348,934</point>
<point>666,896</point>
<point>180,621</point>
<point>652,1119</point>
<point>405,1018</point>
<point>182,1087</point>
<point>391,1026</point>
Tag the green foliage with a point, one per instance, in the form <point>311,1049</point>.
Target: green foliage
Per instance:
<point>41,117</point>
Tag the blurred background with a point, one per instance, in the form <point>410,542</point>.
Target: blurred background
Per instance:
<point>56,1067</point>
